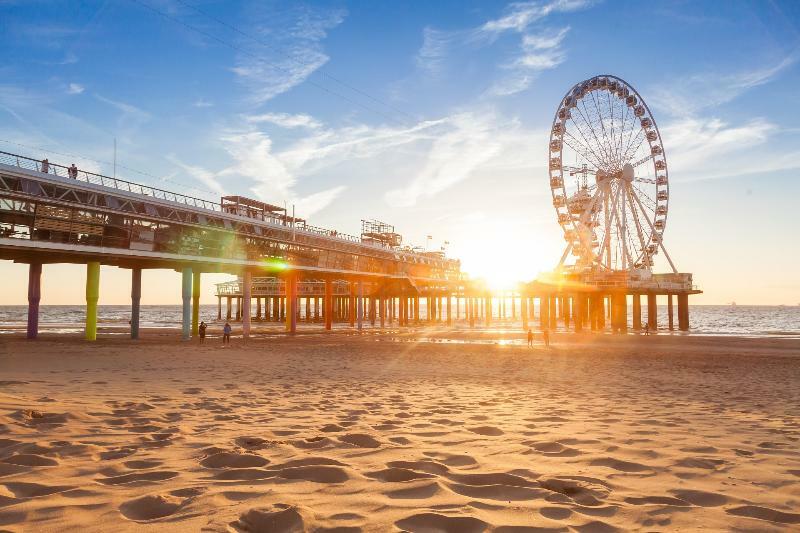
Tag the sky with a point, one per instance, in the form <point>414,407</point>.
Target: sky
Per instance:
<point>432,116</point>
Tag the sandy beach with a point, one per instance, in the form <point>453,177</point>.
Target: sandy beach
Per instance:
<point>381,433</point>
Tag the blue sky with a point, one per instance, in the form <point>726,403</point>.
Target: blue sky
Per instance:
<point>433,116</point>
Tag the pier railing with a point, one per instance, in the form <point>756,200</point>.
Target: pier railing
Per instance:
<point>55,169</point>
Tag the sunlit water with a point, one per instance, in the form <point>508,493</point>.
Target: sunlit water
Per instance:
<point>742,320</point>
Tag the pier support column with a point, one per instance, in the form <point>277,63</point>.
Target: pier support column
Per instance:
<point>601,312</point>
<point>92,295</point>
<point>544,312</point>
<point>34,297</point>
<point>487,307</point>
<point>186,294</point>
<point>652,312</point>
<point>450,310</point>
<point>258,308</point>
<point>360,304</point>
<point>195,303</point>
<point>328,304</point>
<point>228,308</point>
<point>523,312</point>
<point>670,312</point>
<point>352,304</point>
<point>683,312</point>
<point>619,313</point>
<point>637,312</point>
<point>291,303</point>
<point>553,315</point>
<point>247,290</point>
<point>136,298</point>
<point>578,311</point>
<point>471,311</point>
<point>219,307</point>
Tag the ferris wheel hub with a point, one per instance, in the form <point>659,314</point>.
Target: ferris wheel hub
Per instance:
<point>627,173</point>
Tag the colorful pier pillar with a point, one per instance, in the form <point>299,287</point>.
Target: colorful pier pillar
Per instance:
<point>523,311</point>
<point>247,289</point>
<point>291,303</point>
<point>92,295</point>
<point>186,294</point>
<point>195,303</point>
<point>34,296</point>
<point>136,298</point>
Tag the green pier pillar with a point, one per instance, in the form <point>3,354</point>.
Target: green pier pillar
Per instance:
<point>92,295</point>
<point>195,303</point>
<point>186,294</point>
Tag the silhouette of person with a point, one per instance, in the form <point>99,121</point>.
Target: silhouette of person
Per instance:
<point>530,337</point>
<point>202,330</point>
<point>546,337</point>
<point>226,333</point>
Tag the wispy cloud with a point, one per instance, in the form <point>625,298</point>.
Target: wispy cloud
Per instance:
<point>75,88</point>
<point>540,46</point>
<point>538,52</point>
<point>690,95</point>
<point>284,120</point>
<point>268,70</point>
<point>202,102</point>
<point>519,16</point>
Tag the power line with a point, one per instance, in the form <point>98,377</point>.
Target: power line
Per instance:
<point>140,172</point>
<point>277,50</point>
<point>257,58</point>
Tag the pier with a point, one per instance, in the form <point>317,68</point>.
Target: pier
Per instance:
<point>292,271</point>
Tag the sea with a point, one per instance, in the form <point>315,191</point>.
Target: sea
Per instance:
<point>709,320</point>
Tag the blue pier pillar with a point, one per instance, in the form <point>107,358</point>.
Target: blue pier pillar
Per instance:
<point>186,293</point>
<point>136,298</point>
<point>34,296</point>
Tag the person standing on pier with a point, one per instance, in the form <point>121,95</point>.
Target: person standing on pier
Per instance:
<point>226,334</point>
<point>45,166</point>
<point>530,337</point>
<point>546,337</point>
<point>73,171</point>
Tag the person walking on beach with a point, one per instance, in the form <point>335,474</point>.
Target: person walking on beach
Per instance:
<point>546,337</point>
<point>530,337</point>
<point>226,334</point>
<point>647,329</point>
<point>202,330</point>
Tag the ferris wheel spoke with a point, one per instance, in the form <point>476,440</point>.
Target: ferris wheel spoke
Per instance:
<point>584,153</point>
<point>623,125</point>
<point>652,202</point>
<point>598,160</point>
<point>611,107</point>
<point>645,180</point>
<point>642,161</point>
<point>602,126</point>
<point>632,152</point>
<point>639,231</point>
<point>656,235</point>
<point>591,129</point>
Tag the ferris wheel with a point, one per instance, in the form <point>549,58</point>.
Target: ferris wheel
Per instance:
<point>608,177</point>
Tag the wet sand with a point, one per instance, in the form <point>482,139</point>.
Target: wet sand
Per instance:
<point>381,433</point>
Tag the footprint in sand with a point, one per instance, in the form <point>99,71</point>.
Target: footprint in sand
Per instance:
<point>360,440</point>
<point>398,475</point>
<point>143,477</point>
<point>233,460</point>
<point>487,431</point>
<point>150,507</point>
<point>278,518</point>
<point>34,490</point>
<point>701,498</point>
<point>424,522</point>
<point>25,459</point>
<point>765,513</point>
